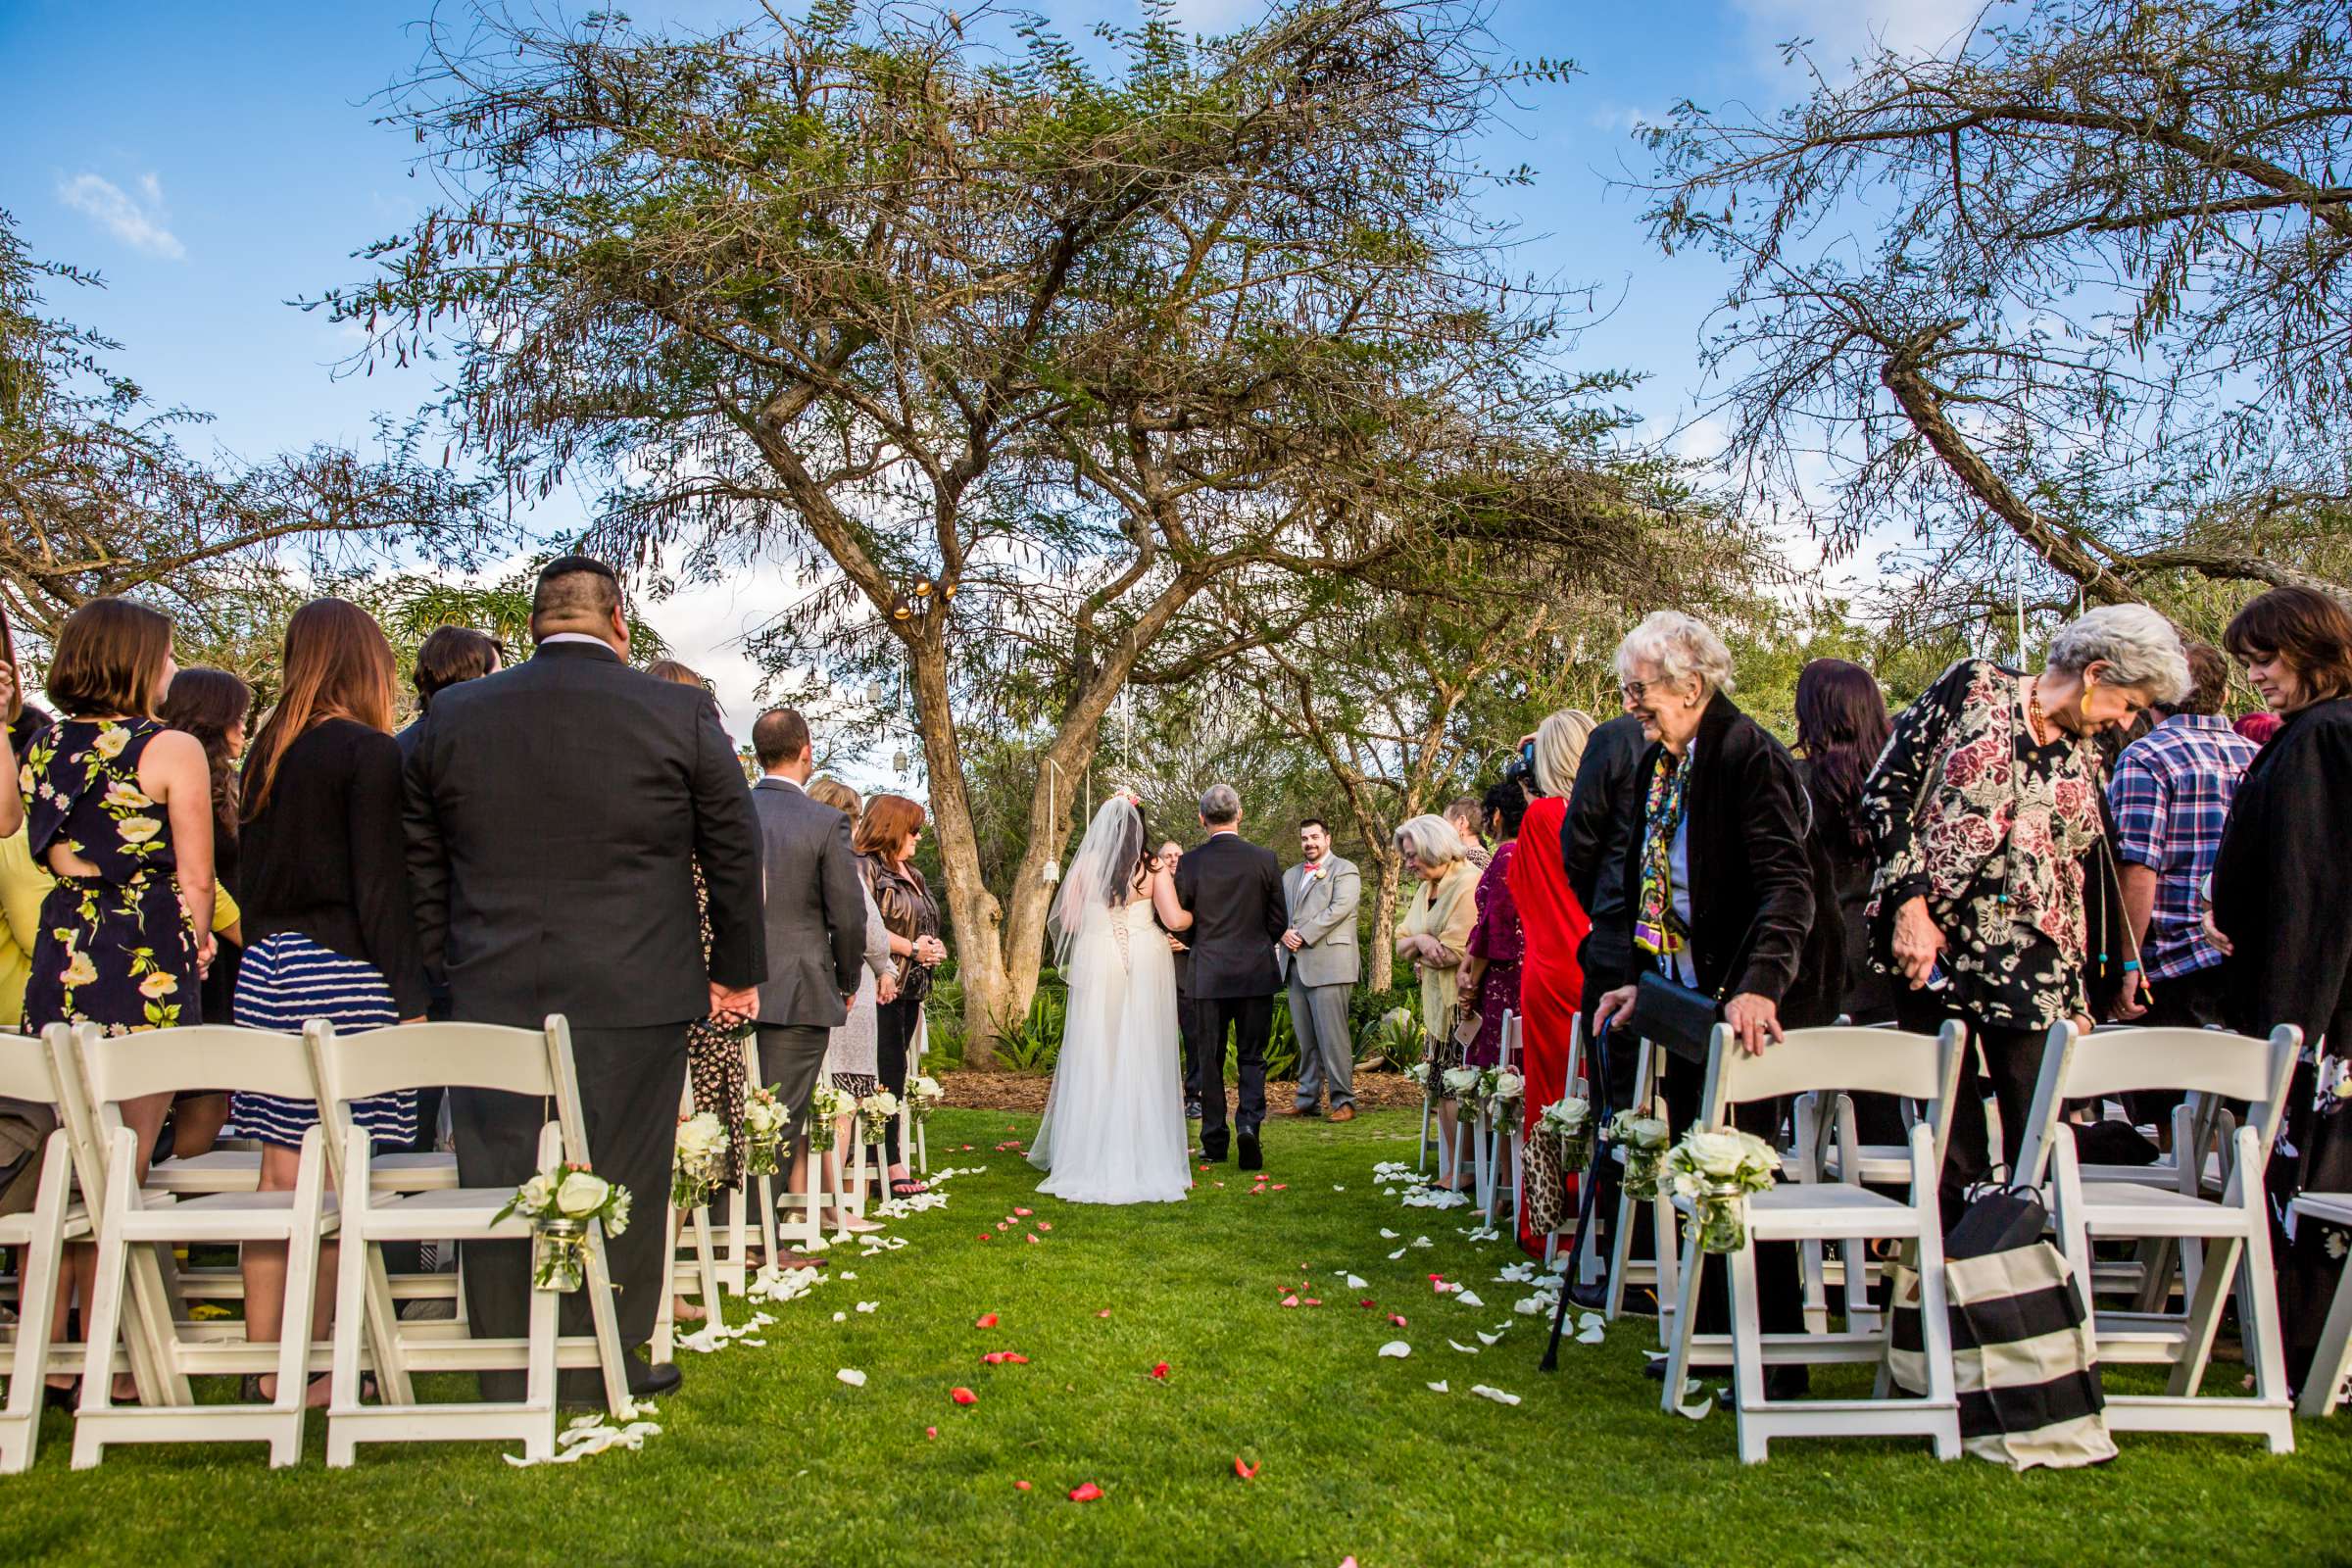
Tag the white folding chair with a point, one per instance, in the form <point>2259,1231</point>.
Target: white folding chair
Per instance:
<point>1658,1271</point>
<point>38,1238</point>
<point>2236,1227</point>
<point>697,1262</point>
<point>1882,1061</point>
<point>120,1068</point>
<point>1574,1081</point>
<point>758,1194</point>
<point>2332,1363</point>
<point>1506,1143</point>
<point>909,1126</point>
<point>535,1062</point>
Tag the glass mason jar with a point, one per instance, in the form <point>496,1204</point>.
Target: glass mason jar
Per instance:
<point>558,1255</point>
<point>1642,1174</point>
<point>1576,1151</point>
<point>1722,1217</point>
<point>760,1156</point>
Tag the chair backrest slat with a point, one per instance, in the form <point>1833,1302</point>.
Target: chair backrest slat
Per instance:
<point>24,1071</point>
<point>427,1055</point>
<point>118,1067</point>
<point>2116,1061</point>
<point>1879,1062</point>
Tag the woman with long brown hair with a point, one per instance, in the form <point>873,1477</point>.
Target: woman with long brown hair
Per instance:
<point>212,705</point>
<point>884,841</point>
<point>329,929</point>
<point>118,809</point>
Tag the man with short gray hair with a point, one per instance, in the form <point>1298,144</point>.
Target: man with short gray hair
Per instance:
<point>1234,915</point>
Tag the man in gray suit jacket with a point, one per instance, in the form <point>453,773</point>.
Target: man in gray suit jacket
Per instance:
<point>815,913</point>
<point>1319,955</point>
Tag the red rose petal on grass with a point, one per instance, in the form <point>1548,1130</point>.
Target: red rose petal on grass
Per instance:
<point>985,1320</point>
<point>1020,1485</point>
<point>1105,1312</point>
<point>1089,1492</point>
<point>1023,1213</point>
<point>1366,1302</point>
<point>963,1396</point>
<point>931,1432</point>
<point>1396,1318</point>
<point>1032,1238</point>
<point>1204,1167</point>
<point>1311,1302</point>
<point>996,1357</point>
<point>1015,1358</point>
<point>988,1236</point>
<point>1045,1224</point>
<point>1289,1300</point>
<point>1160,1371</point>
<point>1244,1469</point>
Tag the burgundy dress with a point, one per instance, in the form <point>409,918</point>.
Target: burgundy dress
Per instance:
<point>1497,938</point>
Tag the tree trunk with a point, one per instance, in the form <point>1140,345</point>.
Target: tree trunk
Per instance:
<point>1383,921</point>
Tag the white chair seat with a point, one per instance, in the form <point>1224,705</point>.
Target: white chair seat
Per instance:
<point>16,1230</point>
<point>2136,1210</point>
<point>427,1216</point>
<point>412,1173</point>
<point>223,1217</point>
<point>2330,1208</point>
<point>224,1170</point>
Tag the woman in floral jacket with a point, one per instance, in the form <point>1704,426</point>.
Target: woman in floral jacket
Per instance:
<point>1982,808</point>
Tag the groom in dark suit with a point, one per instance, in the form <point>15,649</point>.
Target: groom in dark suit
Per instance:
<point>556,812</point>
<point>1233,890</point>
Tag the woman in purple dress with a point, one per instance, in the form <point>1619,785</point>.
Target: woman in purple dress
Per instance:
<point>1490,973</point>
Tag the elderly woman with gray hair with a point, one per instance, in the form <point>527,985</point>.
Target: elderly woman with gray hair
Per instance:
<point>1435,935</point>
<point>1983,808</point>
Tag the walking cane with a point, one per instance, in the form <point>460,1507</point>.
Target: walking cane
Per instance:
<point>1585,1205</point>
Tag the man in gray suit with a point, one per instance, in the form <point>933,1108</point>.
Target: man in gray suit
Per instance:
<point>1319,957</point>
<point>816,913</point>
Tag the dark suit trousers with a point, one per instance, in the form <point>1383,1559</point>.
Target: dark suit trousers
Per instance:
<point>1252,1020</point>
<point>1192,1032</point>
<point>631,1081</point>
<point>1779,1295</point>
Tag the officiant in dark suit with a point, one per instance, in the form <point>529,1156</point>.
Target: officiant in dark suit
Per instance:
<point>1231,891</point>
<point>556,812</point>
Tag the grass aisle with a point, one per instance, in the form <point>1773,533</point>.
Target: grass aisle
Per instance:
<point>767,1454</point>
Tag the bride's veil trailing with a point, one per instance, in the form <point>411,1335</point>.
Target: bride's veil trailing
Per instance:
<point>1100,873</point>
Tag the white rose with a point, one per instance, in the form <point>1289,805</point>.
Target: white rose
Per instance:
<point>1462,1079</point>
<point>536,1192</point>
<point>1507,1086</point>
<point>582,1192</point>
<point>619,1219</point>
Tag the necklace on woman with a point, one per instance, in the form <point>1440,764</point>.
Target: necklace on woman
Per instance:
<point>2034,718</point>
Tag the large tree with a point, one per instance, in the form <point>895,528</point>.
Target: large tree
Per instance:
<point>2069,298</point>
<point>1010,355</point>
<point>99,496</point>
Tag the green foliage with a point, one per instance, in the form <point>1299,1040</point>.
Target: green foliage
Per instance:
<point>943,1018</point>
<point>1034,1044</point>
<point>1393,1040</point>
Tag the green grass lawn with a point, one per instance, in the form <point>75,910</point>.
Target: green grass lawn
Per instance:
<point>765,1453</point>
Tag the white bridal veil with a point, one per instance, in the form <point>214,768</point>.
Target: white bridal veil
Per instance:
<point>1099,875</point>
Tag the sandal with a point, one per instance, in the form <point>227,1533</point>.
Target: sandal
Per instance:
<point>685,1311</point>
<point>908,1186</point>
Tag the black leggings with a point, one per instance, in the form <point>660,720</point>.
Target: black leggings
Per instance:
<point>2011,1068</point>
<point>894,1037</point>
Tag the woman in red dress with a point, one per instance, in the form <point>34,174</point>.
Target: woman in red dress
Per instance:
<point>1552,984</point>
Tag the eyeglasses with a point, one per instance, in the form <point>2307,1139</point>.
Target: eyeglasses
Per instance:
<point>1632,690</point>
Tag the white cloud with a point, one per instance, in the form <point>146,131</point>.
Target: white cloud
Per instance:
<point>136,221</point>
<point>1840,30</point>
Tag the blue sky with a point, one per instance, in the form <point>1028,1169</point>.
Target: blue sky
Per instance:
<point>213,163</point>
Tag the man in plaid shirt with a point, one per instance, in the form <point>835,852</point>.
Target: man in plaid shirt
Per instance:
<point>2171,797</point>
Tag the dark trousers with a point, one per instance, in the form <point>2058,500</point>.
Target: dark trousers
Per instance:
<point>1612,1085</point>
<point>1252,1020</point>
<point>894,1038</point>
<point>2003,1063</point>
<point>1188,1030</point>
<point>2191,1001</point>
<point>1779,1295</point>
<point>630,1084</point>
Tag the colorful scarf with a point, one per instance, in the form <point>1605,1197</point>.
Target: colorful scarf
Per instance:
<point>1656,929</point>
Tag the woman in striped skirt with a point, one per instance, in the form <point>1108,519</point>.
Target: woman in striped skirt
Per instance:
<point>328,926</point>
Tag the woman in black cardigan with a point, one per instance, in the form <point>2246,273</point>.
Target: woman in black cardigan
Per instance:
<point>2277,897</point>
<point>1720,896</point>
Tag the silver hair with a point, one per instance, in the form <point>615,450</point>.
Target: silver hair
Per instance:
<point>2138,646</point>
<point>1679,646</point>
<point>1220,804</point>
<point>1560,750</point>
<point>1429,839</point>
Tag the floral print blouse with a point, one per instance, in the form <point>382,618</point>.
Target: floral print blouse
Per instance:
<point>1967,811</point>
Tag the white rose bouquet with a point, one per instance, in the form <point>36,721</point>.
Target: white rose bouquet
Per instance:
<point>561,1203</point>
<point>924,1096</point>
<point>1568,1122</point>
<point>702,1159</point>
<point>826,1105</point>
<point>1716,1168</point>
<point>875,1112</point>
<point>763,1124</point>
<point>1460,1081</point>
<point>1501,1089</point>
<point>1643,1140</point>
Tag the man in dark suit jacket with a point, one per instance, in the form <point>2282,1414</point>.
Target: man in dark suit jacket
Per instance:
<point>1232,890</point>
<point>816,913</point>
<point>556,814</point>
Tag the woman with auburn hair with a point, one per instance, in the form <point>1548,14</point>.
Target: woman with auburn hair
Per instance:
<point>118,809</point>
<point>884,841</point>
<point>330,931</point>
<point>2277,897</point>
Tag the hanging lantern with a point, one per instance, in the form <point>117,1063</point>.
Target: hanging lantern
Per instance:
<point>1051,873</point>
<point>900,610</point>
<point>923,588</point>
<point>898,760</point>
<point>947,591</point>
<point>875,692</point>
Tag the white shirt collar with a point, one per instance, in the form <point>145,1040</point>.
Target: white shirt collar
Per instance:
<point>578,637</point>
<point>779,778</point>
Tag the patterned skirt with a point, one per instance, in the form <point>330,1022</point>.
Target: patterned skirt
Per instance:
<point>287,980</point>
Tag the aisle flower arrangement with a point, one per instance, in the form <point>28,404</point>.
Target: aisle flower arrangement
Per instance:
<point>763,1122</point>
<point>1460,1081</point>
<point>924,1096</point>
<point>1715,1168</point>
<point>1568,1122</point>
<point>875,1112</point>
<point>826,1105</point>
<point>1643,1140</point>
<point>701,1158</point>
<point>1500,1091</point>
<point>561,1202</point>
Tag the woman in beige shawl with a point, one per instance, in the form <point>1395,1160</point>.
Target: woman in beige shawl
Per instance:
<point>1434,935</point>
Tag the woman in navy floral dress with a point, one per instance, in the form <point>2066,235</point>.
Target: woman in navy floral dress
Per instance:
<point>118,809</point>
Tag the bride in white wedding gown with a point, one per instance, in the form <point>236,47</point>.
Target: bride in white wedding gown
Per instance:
<point>1115,1129</point>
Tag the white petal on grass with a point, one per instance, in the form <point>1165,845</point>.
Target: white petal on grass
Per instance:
<point>1439,1388</point>
<point>1484,1338</point>
<point>841,1317</point>
<point>1387,1235</point>
<point>1423,1240</point>
<point>1592,1336</point>
<point>851,1375</point>
<point>1397,1348</point>
<point>867,1306</point>
<point>1356,1281</point>
<point>1496,1395</point>
<point>1394,1256</point>
<point>1467,1298</point>
<point>1466,1350</point>
<point>1697,1409</point>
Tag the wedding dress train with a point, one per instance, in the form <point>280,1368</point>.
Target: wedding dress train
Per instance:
<point>1115,1129</point>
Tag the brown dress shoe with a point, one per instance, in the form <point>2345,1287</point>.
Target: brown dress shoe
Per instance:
<point>1340,1113</point>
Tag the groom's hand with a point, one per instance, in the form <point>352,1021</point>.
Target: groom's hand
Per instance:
<point>1291,940</point>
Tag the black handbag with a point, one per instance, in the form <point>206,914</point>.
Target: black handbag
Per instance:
<point>1680,1017</point>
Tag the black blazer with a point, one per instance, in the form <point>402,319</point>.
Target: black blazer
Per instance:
<point>2277,882</point>
<point>555,813</point>
<point>1752,874</point>
<point>1234,889</point>
<point>1603,817</point>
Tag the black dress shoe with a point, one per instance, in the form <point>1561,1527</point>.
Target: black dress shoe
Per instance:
<point>1213,1153</point>
<point>1191,1110</point>
<point>1780,1382</point>
<point>1250,1159</point>
<point>1593,1297</point>
<point>645,1382</point>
